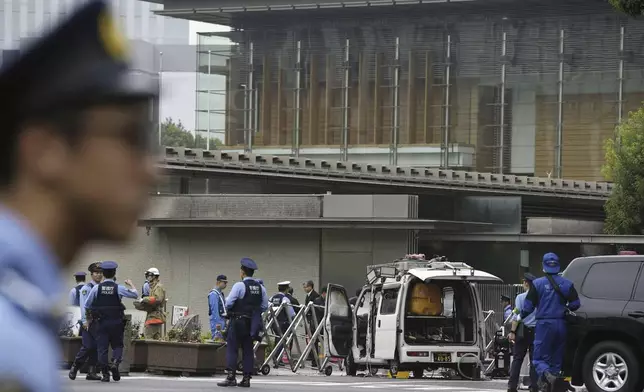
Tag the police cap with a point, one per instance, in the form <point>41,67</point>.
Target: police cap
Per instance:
<point>95,267</point>
<point>79,274</point>
<point>81,63</point>
<point>222,278</point>
<point>505,298</point>
<point>284,283</point>
<point>248,263</point>
<point>109,265</point>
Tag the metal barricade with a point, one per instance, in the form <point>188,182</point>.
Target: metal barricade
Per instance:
<point>303,328</point>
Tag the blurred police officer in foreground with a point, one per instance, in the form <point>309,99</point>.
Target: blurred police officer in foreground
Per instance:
<point>74,167</point>
<point>553,296</point>
<point>87,353</point>
<point>522,336</point>
<point>105,308</point>
<point>245,304</point>
<point>217,307</point>
<point>74,293</point>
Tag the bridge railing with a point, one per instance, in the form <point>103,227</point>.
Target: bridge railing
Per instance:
<point>186,158</point>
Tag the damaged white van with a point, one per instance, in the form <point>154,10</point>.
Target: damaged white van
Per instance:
<point>413,315</point>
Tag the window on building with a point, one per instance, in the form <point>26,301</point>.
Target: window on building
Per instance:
<point>612,281</point>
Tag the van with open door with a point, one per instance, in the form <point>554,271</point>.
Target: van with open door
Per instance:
<point>412,315</point>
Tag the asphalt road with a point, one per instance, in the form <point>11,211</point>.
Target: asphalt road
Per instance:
<point>283,383</point>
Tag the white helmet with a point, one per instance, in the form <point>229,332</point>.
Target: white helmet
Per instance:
<point>153,271</point>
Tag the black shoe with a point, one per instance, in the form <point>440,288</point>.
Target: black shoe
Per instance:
<point>91,374</point>
<point>116,373</point>
<point>106,375</point>
<point>73,372</point>
<point>229,381</point>
<point>245,382</point>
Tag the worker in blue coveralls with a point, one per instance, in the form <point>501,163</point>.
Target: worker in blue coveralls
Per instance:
<point>76,166</point>
<point>553,296</point>
<point>217,307</point>
<point>87,353</point>
<point>244,305</point>
<point>74,293</point>
<point>105,307</point>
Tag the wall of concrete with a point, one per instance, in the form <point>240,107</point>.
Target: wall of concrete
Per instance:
<point>191,259</point>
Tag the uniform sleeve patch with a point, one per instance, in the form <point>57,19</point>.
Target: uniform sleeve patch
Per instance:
<point>84,292</point>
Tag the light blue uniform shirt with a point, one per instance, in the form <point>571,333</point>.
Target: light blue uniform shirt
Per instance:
<point>72,297</point>
<point>530,320</point>
<point>28,304</point>
<point>239,290</point>
<point>507,311</point>
<point>215,303</point>
<point>145,291</point>
<point>83,298</point>
<point>122,290</point>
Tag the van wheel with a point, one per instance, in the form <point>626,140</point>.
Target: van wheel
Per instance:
<point>349,365</point>
<point>610,366</point>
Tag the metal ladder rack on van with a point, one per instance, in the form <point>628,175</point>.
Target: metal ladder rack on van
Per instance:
<point>404,266</point>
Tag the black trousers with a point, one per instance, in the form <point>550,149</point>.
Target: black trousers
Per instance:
<point>523,345</point>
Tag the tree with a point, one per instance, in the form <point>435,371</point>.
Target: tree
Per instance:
<point>629,7</point>
<point>625,168</point>
<point>176,135</point>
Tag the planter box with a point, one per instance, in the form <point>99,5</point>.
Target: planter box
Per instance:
<point>70,346</point>
<point>139,356</point>
<point>200,358</point>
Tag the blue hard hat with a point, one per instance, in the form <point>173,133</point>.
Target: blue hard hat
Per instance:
<point>248,263</point>
<point>222,278</point>
<point>551,263</point>
<point>80,274</point>
<point>109,265</point>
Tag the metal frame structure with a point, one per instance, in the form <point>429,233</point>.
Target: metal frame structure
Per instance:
<point>195,160</point>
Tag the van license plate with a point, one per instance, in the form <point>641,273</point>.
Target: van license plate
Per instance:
<point>442,357</point>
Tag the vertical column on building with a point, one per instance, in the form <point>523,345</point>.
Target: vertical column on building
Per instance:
<point>297,91</point>
<point>249,101</point>
<point>395,116</point>
<point>502,99</point>
<point>620,80</point>
<point>344,147</point>
<point>446,119</point>
<point>412,235</point>
<point>560,108</point>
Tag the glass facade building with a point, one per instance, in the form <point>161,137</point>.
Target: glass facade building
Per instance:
<point>513,87</point>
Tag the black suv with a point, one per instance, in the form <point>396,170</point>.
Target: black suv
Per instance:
<point>605,345</point>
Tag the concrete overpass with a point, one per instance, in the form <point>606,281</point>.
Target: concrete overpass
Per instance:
<point>190,162</point>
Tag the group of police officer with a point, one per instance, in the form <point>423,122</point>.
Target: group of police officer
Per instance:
<point>540,326</point>
<point>103,322</point>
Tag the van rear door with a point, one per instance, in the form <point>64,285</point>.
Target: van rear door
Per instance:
<point>338,322</point>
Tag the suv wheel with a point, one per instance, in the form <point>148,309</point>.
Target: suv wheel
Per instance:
<point>610,366</point>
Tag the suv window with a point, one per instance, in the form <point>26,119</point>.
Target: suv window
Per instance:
<point>639,291</point>
<point>611,280</point>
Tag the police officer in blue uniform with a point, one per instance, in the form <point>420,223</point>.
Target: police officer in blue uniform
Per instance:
<point>74,293</point>
<point>75,167</point>
<point>553,297</point>
<point>106,309</point>
<point>507,307</point>
<point>217,307</point>
<point>522,336</point>
<point>88,352</point>
<point>245,304</point>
